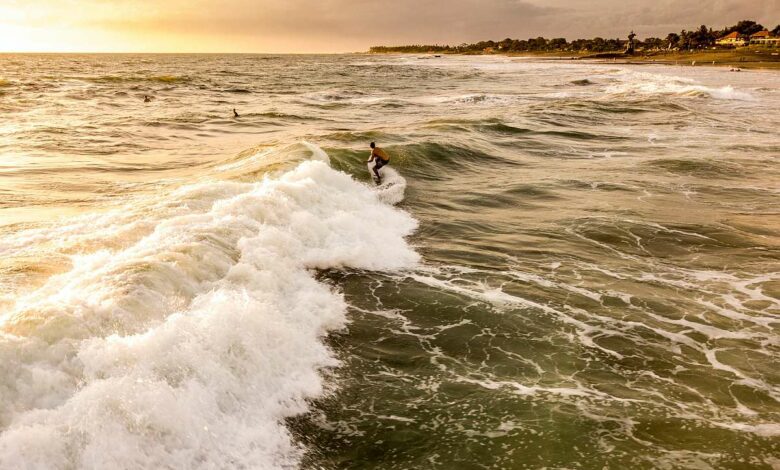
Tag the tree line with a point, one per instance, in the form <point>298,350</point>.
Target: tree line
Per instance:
<point>684,40</point>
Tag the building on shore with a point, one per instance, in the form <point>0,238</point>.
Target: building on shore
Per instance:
<point>761,38</point>
<point>765,38</point>
<point>732,39</point>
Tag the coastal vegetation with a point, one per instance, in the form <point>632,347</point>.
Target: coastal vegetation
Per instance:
<point>695,39</point>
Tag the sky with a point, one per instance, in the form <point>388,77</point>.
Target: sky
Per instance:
<point>299,26</point>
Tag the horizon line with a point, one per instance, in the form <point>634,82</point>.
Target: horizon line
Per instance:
<point>185,52</point>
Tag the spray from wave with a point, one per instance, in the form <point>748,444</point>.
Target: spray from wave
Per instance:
<point>184,331</point>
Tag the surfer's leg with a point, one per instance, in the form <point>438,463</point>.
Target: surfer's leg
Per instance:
<point>379,164</point>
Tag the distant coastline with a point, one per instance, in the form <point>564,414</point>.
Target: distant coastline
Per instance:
<point>746,45</point>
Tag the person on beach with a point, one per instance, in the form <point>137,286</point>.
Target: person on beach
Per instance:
<point>380,157</point>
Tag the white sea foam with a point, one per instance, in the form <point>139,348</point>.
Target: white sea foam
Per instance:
<point>642,83</point>
<point>186,344</point>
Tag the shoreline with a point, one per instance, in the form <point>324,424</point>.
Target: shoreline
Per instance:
<point>751,59</point>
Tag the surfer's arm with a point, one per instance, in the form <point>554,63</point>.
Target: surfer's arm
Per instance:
<point>371,157</point>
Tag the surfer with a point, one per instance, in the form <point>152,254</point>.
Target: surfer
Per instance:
<point>380,159</point>
<point>147,99</point>
<point>235,113</point>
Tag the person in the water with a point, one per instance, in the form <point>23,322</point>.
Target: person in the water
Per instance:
<point>147,99</point>
<point>380,157</point>
<point>235,113</point>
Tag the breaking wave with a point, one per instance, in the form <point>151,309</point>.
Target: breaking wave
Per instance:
<point>182,332</point>
<point>655,84</point>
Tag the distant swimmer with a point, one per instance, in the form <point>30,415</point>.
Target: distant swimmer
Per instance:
<point>147,99</point>
<point>235,113</point>
<point>380,157</point>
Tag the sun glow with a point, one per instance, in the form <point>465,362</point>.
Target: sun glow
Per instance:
<point>90,26</point>
<point>13,36</point>
<point>40,27</point>
<point>170,26</point>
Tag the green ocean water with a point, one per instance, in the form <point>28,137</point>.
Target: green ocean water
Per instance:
<point>573,266</point>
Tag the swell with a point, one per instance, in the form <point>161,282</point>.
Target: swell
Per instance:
<point>138,78</point>
<point>432,160</point>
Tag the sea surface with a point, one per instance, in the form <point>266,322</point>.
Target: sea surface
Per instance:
<point>568,265</point>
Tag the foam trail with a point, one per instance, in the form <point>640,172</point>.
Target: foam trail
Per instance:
<point>188,345</point>
<point>393,186</point>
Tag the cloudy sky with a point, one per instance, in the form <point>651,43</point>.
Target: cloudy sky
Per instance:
<point>343,25</point>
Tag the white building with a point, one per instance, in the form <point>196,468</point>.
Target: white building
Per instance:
<point>732,39</point>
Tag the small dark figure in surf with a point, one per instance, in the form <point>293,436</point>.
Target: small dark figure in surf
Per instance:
<point>235,113</point>
<point>147,99</point>
<point>380,159</point>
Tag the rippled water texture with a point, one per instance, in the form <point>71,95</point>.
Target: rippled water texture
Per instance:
<point>569,266</point>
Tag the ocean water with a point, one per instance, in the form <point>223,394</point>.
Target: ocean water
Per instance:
<point>568,266</point>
